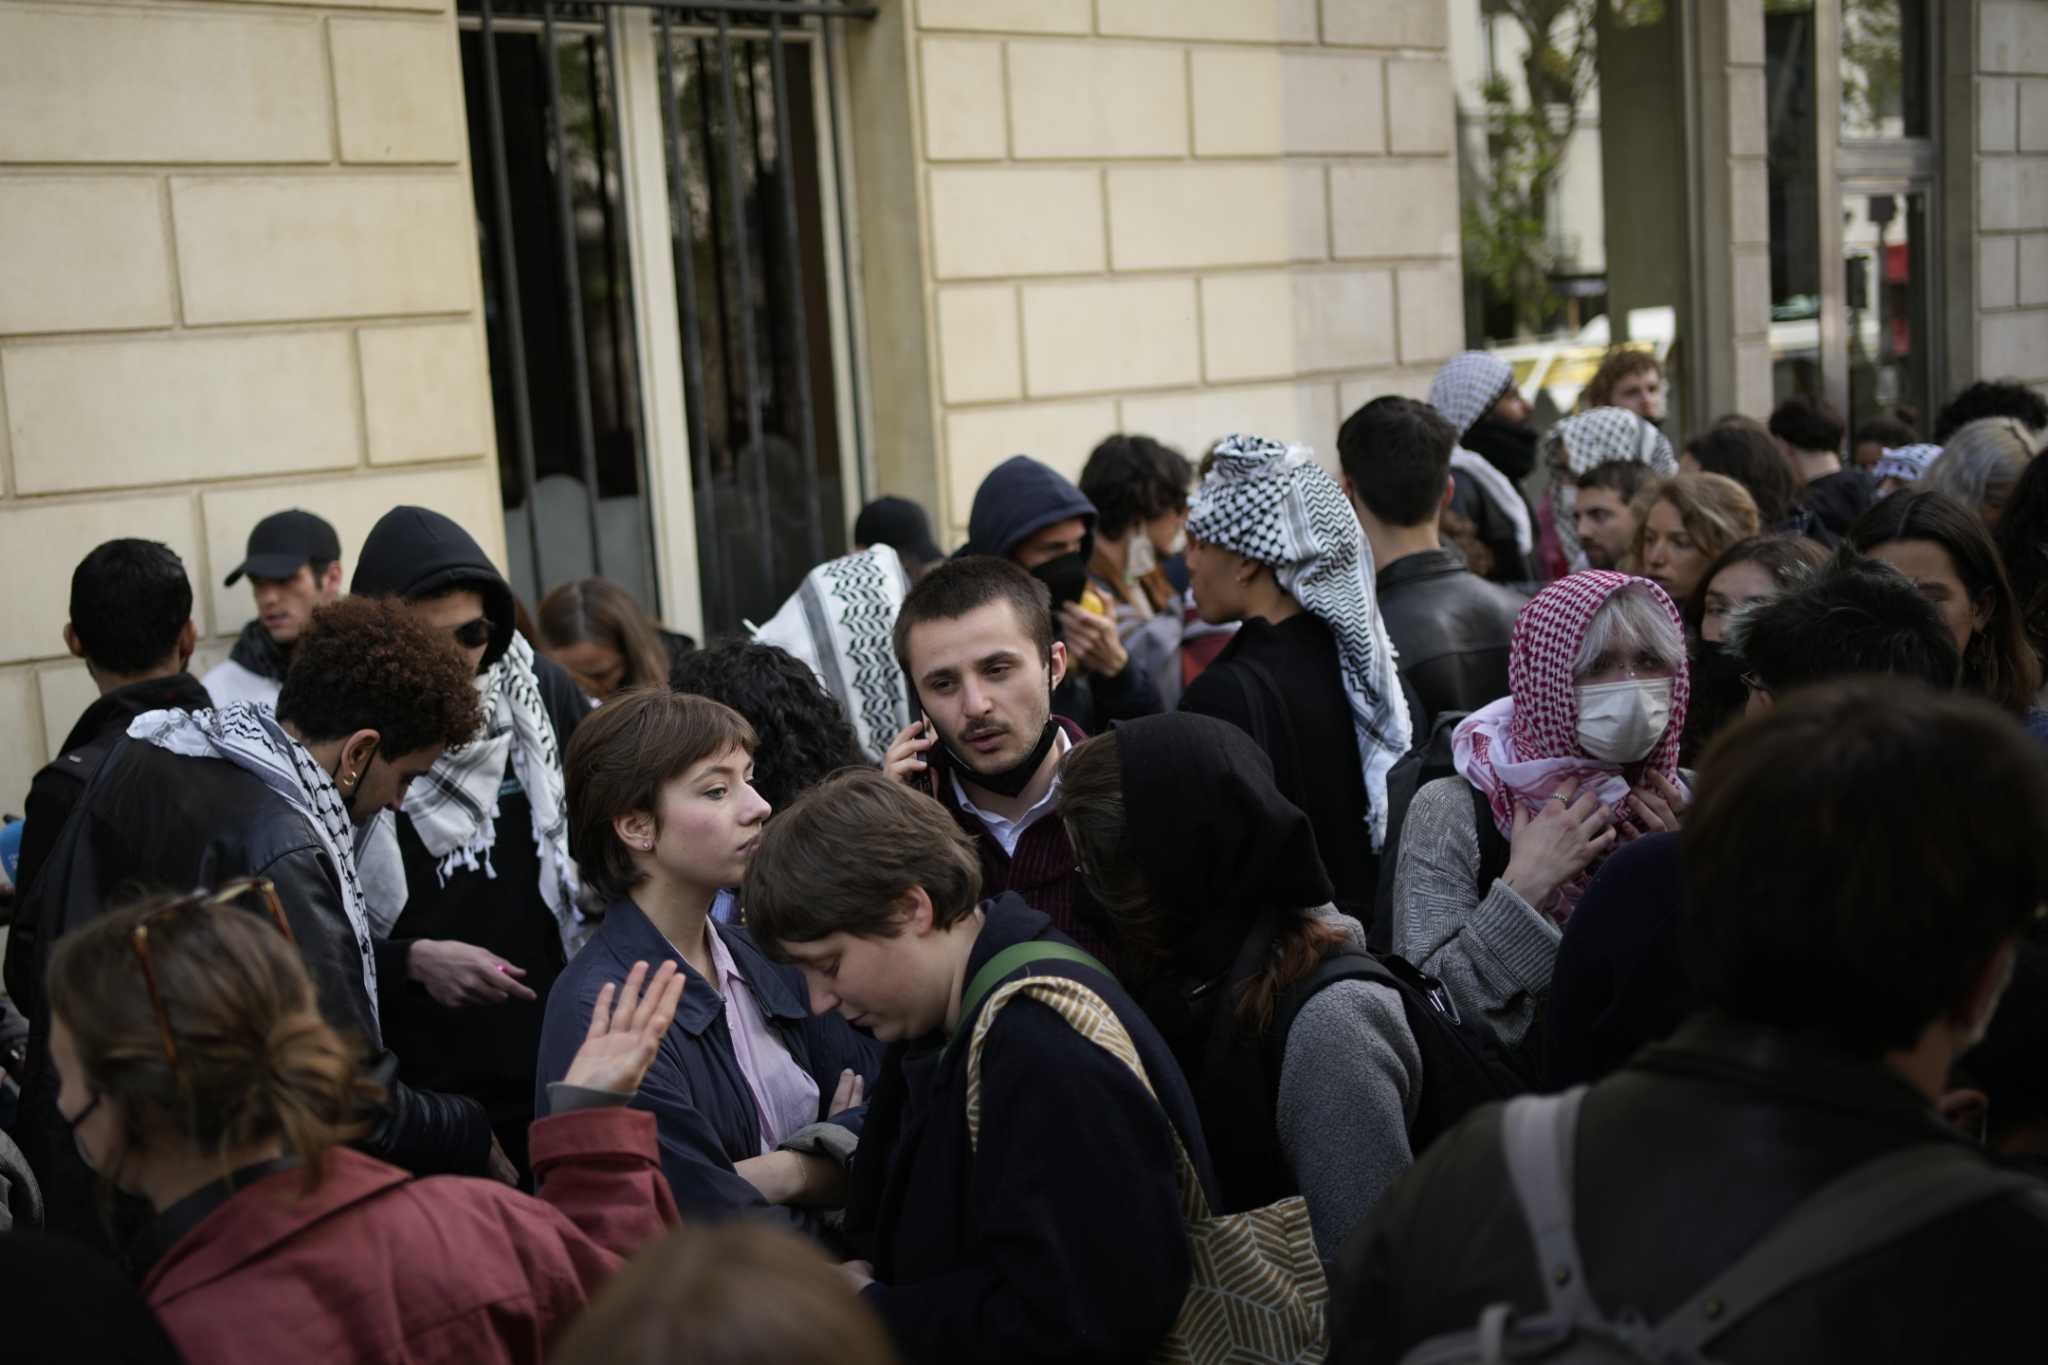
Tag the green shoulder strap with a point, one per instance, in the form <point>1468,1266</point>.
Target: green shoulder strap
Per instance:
<point>1009,960</point>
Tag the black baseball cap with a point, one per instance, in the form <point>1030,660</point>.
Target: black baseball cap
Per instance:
<point>283,542</point>
<point>900,524</point>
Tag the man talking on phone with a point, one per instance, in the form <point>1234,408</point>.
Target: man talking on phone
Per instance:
<point>975,639</point>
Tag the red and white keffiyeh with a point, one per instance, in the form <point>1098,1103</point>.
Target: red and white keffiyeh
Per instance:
<point>1525,746</point>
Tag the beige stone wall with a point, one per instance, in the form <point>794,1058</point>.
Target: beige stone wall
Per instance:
<point>237,273</point>
<point>1181,217</point>
<point>2011,87</point>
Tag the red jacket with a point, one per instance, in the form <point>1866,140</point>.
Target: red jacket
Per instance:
<point>376,1266</point>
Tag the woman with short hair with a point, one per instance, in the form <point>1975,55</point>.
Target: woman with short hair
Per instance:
<point>662,817</point>
<point>1582,753</point>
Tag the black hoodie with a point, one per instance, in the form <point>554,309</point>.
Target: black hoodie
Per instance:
<point>414,553</point>
<point>489,1051</point>
<point>1226,859</point>
<point>1019,498</point>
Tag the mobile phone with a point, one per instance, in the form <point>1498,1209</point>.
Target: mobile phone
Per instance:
<point>929,777</point>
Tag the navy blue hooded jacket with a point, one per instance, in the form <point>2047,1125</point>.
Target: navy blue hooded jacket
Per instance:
<point>1019,498</point>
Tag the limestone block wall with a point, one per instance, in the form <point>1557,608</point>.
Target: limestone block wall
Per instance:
<point>2011,86</point>
<point>1181,217</point>
<point>237,273</point>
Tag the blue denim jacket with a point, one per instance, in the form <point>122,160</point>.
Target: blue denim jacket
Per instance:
<point>702,1105</point>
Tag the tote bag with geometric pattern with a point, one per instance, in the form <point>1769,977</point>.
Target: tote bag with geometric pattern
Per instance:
<point>1258,1292</point>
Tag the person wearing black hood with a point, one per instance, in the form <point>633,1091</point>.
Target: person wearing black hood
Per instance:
<point>1475,392</point>
<point>293,565</point>
<point>482,840</point>
<point>1222,913</point>
<point>1032,515</point>
<point>131,621</point>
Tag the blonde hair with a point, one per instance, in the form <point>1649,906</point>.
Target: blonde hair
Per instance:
<point>1715,510</point>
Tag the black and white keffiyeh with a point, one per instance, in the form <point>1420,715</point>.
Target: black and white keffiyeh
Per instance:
<point>1465,390</point>
<point>249,737</point>
<point>1584,442</point>
<point>454,805</point>
<point>1468,386</point>
<point>1274,504</point>
<point>841,622</point>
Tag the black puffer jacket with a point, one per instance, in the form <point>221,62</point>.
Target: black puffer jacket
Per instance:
<point>154,820</point>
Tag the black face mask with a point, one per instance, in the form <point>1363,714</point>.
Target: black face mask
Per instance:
<point>1507,446</point>
<point>1015,778</point>
<point>1719,695</point>
<point>1065,576</point>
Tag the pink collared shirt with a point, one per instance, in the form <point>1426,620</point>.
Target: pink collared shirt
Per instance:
<point>785,1095</point>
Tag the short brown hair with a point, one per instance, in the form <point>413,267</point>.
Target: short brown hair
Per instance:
<point>842,857</point>
<point>730,1294</point>
<point>1621,361</point>
<point>970,583</point>
<point>620,758</point>
<point>255,1060</point>
<point>367,664</point>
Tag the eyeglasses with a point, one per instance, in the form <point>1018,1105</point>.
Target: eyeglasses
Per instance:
<point>138,940</point>
<point>471,634</point>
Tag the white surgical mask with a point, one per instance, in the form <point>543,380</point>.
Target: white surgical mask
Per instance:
<point>1140,558</point>
<point>1620,722</point>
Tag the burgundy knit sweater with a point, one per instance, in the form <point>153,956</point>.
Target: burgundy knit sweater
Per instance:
<point>1044,870</point>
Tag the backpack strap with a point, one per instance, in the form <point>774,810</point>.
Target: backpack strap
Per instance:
<point>1539,1134</point>
<point>1031,952</point>
<point>1494,849</point>
<point>1877,1203</point>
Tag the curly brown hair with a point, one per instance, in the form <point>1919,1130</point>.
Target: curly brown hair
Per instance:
<point>366,664</point>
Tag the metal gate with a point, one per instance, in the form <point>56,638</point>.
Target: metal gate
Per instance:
<point>745,172</point>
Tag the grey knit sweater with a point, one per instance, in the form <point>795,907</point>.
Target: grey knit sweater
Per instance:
<point>1492,950</point>
<point>1349,1086</point>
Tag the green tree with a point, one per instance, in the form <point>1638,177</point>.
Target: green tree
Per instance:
<point>1507,241</point>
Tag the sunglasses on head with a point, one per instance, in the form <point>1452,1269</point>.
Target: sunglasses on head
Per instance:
<point>472,634</point>
<point>229,894</point>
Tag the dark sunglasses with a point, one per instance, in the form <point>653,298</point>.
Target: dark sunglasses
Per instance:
<point>471,634</point>
<point>138,940</point>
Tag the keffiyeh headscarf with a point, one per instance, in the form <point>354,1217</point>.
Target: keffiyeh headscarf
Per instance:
<point>249,737</point>
<point>1907,463</point>
<point>1275,505</point>
<point>1521,749</point>
<point>842,622</point>
<point>1465,390</point>
<point>454,806</point>
<point>1586,441</point>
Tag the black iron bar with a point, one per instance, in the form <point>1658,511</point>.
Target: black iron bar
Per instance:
<point>792,255</point>
<point>682,239</point>
<point>572,292</point>
<point>515,325</point>
<point>860,447</point>
<point>750,362</point>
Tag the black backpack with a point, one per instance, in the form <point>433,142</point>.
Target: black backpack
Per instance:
<point>1425,763</point>
<point>1462,1068</point>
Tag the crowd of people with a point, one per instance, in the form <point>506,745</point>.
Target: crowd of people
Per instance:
<point>1489,893</point>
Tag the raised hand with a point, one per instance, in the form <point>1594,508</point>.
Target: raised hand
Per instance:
<point>626,1029</point>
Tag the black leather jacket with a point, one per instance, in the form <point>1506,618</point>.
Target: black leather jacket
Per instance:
<point>154,820</point>
<point>1450,628</point>
<point>1685,1158</point>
